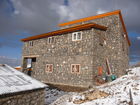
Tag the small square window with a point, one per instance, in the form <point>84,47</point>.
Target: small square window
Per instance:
<point>123,46</point>
<point>102,40</point>
<point>124,35</point>
<point>49,68</point>
<point>30,43</point>
<point>79,35</point>
<point>33,59</point>
<point>76,36</point>
<point>51,40</point>
<point>75,68</point>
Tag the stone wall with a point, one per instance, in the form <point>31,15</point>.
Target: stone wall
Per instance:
<point>62,53</point>
<point>88,52</point>
<point>116,49</point>
<point>117,55</point>
<point>35,97</point>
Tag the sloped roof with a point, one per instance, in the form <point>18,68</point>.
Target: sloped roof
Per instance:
<point>66,30</point>
<point>13,81</point>
<point>97,17</point>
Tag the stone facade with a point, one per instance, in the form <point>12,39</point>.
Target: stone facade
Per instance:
<point>34,97</point>
<point>88,52</point>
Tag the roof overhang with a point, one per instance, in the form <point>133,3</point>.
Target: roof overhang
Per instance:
<point>67,30</point>
<point>97,17</point>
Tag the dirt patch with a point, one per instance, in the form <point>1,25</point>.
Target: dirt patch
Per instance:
<point>93,95</point>
<point>67,88</point>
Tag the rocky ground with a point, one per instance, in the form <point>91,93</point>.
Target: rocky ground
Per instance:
<point>52,94</point>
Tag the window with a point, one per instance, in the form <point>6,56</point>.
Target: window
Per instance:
<point>124,35</point>
<point>76,36</point>
<point>29,65</point>
<point>30,43</point>
<point>123,46</point>
<point>51,40</point>
<point>33,59</point>
<point>123,42</point>
<point>102,40</point>
<point>49,68</point>
<point>75,68</point>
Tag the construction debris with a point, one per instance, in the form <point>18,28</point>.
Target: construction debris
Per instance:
<point>89,96</point>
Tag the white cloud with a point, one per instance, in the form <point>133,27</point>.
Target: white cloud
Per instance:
<point>63,12</point>
<point>138,38</point>
<point>101,11</point>
<point>16,12</point>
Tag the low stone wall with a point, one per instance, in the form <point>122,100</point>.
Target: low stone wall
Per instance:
<point>34,97</point>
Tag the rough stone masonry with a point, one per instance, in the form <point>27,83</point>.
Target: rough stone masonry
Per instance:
<point>33,97</point>
<point>92,51</point>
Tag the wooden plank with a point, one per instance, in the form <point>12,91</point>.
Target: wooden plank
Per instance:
<point>30,56</point>
<point>108,66</point>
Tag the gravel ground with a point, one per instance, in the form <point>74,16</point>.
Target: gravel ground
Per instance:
<point>52,94</point>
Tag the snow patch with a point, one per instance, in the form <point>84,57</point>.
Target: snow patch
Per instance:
<point>118,90</point>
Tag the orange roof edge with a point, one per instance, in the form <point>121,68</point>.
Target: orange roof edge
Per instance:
<point>96,17</point>
<point>66,30</point>
<point>89,18</point>
<point>124,28</point>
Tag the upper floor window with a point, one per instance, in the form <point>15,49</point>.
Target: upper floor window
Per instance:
<point>102,40</point>
<point>50,40</point>
<point>30,43</point>
<point>76,36</point>
<point>124,35</point>
<point>49,68</point>
<point>75,68</point>
<point>123,42</point>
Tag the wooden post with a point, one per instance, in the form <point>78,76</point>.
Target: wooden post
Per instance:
<point>108,66</point>
<point>131,98</point>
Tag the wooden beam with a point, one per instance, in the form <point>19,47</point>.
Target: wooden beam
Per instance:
<point>108,66</point>
<point>131,98</point>
<point>31,56</point>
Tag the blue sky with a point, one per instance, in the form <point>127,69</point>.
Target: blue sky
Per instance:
<point>23,18</point>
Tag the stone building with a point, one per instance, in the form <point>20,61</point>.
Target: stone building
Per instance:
<point>79,51</point>
<point>16,88</point>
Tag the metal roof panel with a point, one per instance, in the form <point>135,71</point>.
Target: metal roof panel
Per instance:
<point>12,81</point>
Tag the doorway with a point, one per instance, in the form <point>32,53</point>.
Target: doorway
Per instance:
<point>28,65</point>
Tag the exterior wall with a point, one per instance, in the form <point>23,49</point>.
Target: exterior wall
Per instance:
<point>113,50</point>
<point>62,53</point>
<point>88,52</point>
<point>36,97</point>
